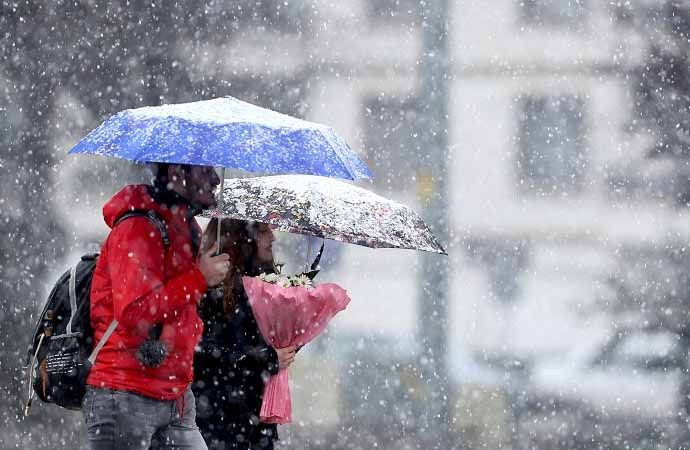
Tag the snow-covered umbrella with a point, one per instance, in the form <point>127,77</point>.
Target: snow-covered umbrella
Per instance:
<point>224,132</point>
<point>328,208</point>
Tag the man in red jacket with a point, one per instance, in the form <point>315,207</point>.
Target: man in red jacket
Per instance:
<point>149,287</point>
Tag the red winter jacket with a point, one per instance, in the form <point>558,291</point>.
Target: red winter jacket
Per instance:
<point>139,283</point>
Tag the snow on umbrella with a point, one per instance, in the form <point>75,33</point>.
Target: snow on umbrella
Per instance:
<point>327,208</point>
<point>225,132</point>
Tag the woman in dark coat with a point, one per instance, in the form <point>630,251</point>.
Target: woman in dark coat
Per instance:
<point>233,361</point>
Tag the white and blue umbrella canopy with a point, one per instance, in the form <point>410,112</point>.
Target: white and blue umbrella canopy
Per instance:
<point>327,208</point>
<point>225,132</point>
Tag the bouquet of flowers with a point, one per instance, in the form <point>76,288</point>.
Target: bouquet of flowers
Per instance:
<point>301,279</point>
<point>289,311</point>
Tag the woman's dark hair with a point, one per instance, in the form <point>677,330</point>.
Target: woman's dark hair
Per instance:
<point>238,239</point>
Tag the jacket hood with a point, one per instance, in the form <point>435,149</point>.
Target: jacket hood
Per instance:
<point>133,197</point>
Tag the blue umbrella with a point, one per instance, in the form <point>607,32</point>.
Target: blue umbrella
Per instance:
<point>225,132</point>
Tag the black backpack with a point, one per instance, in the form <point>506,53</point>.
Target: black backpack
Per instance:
<point>61,351</point>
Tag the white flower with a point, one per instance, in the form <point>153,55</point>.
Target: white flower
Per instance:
<point>286,281</point>
<point>271,278</point>
<point>283,281</point>
<point>301,280</point>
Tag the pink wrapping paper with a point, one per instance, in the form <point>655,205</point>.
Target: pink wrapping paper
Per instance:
<point>289,316</point>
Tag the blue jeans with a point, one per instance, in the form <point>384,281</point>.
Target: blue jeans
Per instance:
<point>123,420</point>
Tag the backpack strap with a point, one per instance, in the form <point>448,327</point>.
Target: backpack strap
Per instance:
<point>72,297</point>
<point>101,343</point>
<point>153,217</point>
<point>160,224</point>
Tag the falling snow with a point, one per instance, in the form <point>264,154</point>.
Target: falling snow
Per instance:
<point>546,143</point>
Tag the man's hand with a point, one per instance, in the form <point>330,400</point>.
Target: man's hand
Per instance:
<point>286,356</point>
<point>214,268</point>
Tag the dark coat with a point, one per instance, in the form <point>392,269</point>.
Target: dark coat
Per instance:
<point>231,366</point>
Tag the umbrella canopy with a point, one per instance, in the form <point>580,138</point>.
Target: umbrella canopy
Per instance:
<point>328,208</point>
<point>225,132</point>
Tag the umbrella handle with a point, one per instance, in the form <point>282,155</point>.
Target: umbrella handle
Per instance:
<point>318,256</point>
<point>219,205</point>
<point>306,263</point>
<point>315,264</point>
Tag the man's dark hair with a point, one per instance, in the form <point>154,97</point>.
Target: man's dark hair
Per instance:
<point>160,176</point>
<point>160,180</point>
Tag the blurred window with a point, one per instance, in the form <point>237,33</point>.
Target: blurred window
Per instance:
<point>391,140</point>
<point>553,12</point>
<point>551,144</point>
<point>393,11</point>
<point>5,127</point>
<point>622,12</point>
<point>653,350</point>
<point>283,94</point>
<point>504,261</point>
<point>287,17</point>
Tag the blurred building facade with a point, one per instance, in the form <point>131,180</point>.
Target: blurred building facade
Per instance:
<point>546,202</point>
